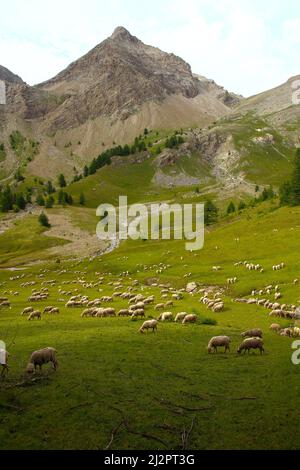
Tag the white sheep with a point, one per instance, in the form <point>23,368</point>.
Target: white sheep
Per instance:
<point>148,325</point>
<point>219,341</point>
<point>159,307</point>
<point>27,310</point>
<point>41,357</point>
<point>165,316</point>
<point>180,316</point>
<point>189,319</point>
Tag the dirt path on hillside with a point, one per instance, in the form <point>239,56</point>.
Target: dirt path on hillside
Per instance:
<point>8,221</point>
<point>82,243</point>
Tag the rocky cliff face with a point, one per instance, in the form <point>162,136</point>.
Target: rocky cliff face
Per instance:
<point>119,76</point>
<point>9,77</point>
<point>109,95</point>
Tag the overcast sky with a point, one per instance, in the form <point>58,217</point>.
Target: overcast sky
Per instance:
<point>247,46</point>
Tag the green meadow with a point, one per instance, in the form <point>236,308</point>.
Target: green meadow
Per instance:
<point>158,390</point>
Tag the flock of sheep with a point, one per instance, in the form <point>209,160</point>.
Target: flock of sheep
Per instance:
<point>139,303</point>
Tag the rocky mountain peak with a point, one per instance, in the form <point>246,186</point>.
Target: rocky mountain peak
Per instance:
<point>121,33</point>
<point>9,77</point>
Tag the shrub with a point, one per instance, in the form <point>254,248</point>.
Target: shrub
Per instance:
<point>43,220</point>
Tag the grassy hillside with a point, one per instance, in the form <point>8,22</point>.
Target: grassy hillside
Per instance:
<point>158,384</point>
<point>262,163</point>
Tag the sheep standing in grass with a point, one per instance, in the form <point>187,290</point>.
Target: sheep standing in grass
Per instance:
<point>180,316</point>
<point>159,307</point>
<point>27,310</point>
<point>124,313</point>
<point>219,307</point>
<point>36,314</point>
<point>255,333</point>
<point>189,319</point>
<point>54,311</point>
<point>88,312</point>
<point>296,332</point>
<point>48,309</point>
<point>287,332</point>
<point>148,325</point>
<point>41,357</point>
<point>275,327</point>
<point>166,316</point>
<point>138,313</point>
<point>217,342</point>
<point>251,343</point>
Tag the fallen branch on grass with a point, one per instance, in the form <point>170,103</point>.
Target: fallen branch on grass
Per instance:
<point>186,435</point>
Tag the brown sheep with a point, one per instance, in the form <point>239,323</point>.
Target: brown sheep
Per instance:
<point>138,313</point>
<point>159,307</point>
<point>36,314</point>
<point>255,333</point>
<point>124,313</point>
<point>251,343</point>
<point>275,327</point>
<point>41,357</point>
<point>54,311</point>
<point>189,319</point>
<point>27,310</point>
<point>48,309</point>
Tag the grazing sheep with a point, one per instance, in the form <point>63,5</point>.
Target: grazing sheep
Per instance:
<point>275,327</point>
<point>124,313</point>
<point>138,313</point>
<point>218,341</point>
<point>48,309</point>
<point>27,310</point>
<point>180,316</point>
<point>109,312</point>
<point>41,357</point>
<point>166,316</point>
<point>159,307</point>
<point>189,319</point>
<point>36,314</point>
<point>169,304</point>
<point>138,306</point>
<point>219,307</point>
<point>287,332</point>
<point>251,343</point>
<point>148,325</point>
<point>177,296</point>
<point>255,333</point>
<point>54,311</point>
<point>88,312</point>
<point>296,332</point>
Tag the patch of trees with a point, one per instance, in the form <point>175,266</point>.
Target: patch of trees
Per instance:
<point>64,198</point>
<point>210,212</point>
<point>62,181</point>
<point>10,200</point>
<point>2,152</point>
<point>23,147</point>
<point>138,146</point>
<point>174,141</point>
<point>289,191</point>
<point>43,220</point>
